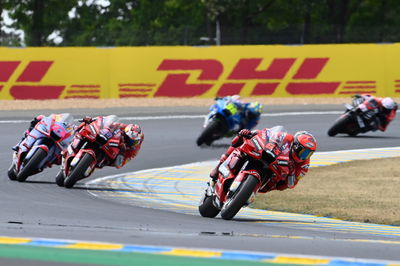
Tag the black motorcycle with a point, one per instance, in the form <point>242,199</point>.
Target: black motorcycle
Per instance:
<point>355,121</point>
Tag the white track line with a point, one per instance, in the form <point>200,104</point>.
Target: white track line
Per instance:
<point>166,117</point>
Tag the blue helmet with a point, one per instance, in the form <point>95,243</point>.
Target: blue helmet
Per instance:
<point>255,107</point>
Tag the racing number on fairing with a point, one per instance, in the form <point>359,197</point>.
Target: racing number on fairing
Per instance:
<point>232,108</point>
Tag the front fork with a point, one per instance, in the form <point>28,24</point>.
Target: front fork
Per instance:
<point>239,179</point>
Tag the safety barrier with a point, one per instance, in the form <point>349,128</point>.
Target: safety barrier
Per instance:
<point>274,71</point>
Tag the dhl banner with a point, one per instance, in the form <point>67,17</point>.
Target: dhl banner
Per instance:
<point>276,70</point>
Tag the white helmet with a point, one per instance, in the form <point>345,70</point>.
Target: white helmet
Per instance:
<point>235,97</point>
<point>388,103</point>
<point>65,118</point>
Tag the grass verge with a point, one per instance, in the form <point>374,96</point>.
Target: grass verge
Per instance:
<point>362,191</point>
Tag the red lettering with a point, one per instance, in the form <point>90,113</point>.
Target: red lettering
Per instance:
<point>7,68</point>
<point>175,85</point>
<point>247,69</point>
<point>357,92</point>
<point>230,89</point>
<point>133,95</point>
<point>36,92</point>
<point>265,88</point>
<point>210,69</point>
<point>35,71</point>
<point>312,87</point>
<point>310,68</point>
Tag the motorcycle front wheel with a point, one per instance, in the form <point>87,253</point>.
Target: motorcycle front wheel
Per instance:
<point>60,178</point>
<point>342,125</point>
<point>78,172</point>
<point>207,208</point>
<point>207,136</point>
<point>30,166</point>
<point>233,205</point>
<point>11,172</point>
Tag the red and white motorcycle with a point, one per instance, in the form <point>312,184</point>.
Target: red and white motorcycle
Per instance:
<point>41,147</point>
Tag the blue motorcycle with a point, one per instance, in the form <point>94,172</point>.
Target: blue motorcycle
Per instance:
<point>222,121</point>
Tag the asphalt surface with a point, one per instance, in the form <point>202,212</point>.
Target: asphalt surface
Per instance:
<point>38,208</point>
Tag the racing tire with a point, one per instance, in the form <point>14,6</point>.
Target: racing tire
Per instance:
<point>78,172</point>
<point>60,178</point>
<point>11,173</point>
<point>207,208</point>
<point>30,167</point>
<point>207,135</point>
<point>340,126</point>
<point>233,205</point>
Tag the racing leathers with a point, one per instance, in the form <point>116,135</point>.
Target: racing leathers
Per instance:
<point>295,170</point>
<point>376,110</point>
<point>64,117</point>
<point>128,148</point>
<point>250,112</point>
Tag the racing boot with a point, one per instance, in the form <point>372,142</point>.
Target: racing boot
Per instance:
<point>214,172</point>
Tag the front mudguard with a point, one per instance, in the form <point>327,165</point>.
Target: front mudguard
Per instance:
<point>241,177</point>
<point>43,143</point>
<point>72,161</point>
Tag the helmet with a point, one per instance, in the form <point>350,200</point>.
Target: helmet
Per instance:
<point>65,118</point>
<point>304,145</point>
<point>134,134</point>
<point>388,103</point>
<point>255,107</point>
<point>235,97</point>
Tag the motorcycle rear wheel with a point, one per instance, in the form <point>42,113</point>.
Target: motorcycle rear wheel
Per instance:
<point>340,126</point>
<point>239,198</point>
<point>31,166</point>
<point>79,170</point>
<point>207,135</point>
<point>207,208</point>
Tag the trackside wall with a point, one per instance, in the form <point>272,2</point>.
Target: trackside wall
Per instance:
<point>206,72</point>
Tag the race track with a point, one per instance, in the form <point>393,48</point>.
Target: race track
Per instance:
<point>38,208</point>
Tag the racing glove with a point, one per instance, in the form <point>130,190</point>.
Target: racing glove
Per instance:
<point>245,133</point>
<point>34,122</point>
<point>86,120</point>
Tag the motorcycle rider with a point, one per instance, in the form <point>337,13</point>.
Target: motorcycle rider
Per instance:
<point>300,148</point>
<point>379,111</point>
<point>131,138</point>
<point>65,118</point>
<point>251,111</point>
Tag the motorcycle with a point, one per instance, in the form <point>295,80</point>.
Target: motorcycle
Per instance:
<point>41,147</point>
<point>223,120</point>
<point>249,169</point>
<point>96,143</point>
<point>354,120</point>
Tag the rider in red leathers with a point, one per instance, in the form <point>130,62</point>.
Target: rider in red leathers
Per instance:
<point>131,138</point>
<point>297,149</point>
<point>380,111</point>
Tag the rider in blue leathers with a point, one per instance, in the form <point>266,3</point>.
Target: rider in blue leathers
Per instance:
<point>251,112</point>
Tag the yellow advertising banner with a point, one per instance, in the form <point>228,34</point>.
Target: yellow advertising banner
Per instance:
<point>274,71</point>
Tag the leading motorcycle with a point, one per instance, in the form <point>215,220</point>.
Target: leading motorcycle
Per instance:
<point>248,170</point>
<point>41,147</point>
<point>223,120</point>
<point>95,144</point>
